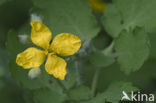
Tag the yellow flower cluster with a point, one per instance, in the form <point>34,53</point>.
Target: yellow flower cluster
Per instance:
<point>97,5</point>
<point>64,44</point>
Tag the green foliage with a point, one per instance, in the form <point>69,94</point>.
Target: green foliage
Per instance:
<point>99,59</point>
<point>132,49</point>
<point>1,72</point>
<point>125,43</point>
<point>103,39</point>
<point>71,78</point>
<point>3,62</point>
<point>68,16</point>
<point>114,93</point>
<point>17,72</point>
<point>2,1</point>
<point>2,84</point>
<point>10,93</point>
<point>79,93</point>
<point>42,95</point>
<point>152,37</point>
<point>12,16</point>
<point>127,14</point>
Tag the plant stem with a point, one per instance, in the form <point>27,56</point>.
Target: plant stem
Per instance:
<point>94,83</point>
<point>77,73</point>
<point>61,85</point>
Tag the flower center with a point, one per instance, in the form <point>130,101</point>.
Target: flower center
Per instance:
<point>50,50</point>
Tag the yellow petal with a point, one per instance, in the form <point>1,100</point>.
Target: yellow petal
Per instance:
<point>56,66</point>
<point>66,44</point>
<point>97,5</point>
<point>40,34</point>
<point>30,58</point>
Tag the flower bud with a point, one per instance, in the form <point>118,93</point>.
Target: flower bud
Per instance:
<point>34,73</point>
<point>35,17</point>
<point>23,38</point>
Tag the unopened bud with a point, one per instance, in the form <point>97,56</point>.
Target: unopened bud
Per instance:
<point>23,38</point>
<point>34,73</point>
<point>35,17</point>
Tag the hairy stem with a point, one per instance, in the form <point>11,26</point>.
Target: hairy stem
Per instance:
<point>95,80</point>
<point>77,74</point>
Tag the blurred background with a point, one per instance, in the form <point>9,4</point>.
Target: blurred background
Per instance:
<point>94,73</point>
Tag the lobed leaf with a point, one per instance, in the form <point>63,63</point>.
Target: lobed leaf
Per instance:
<point>132,49</point>
<point>126,14</point>
<point>66,16</point>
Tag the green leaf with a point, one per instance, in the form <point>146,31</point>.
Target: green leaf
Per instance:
<point>56,87</point>
<point>48,96</point>
<point>1,71</point>
<point>101,41</point>
<point>152,37</point>
<point>114,92</point>
<point>13,40</point>
<point>2,84</point>
<point>2,1</point>
<point>3,62</point>
<point>132,49</point>
<point>67,16</point>
<point>21,76</point>
<point>126,14</point>
<point>99,59</point>
<point>10,93</point>
<point>18,73</point>
<point>71,77</point>
<point>79,93</point>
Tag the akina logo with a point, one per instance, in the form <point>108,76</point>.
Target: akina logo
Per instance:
<point>137,96</point>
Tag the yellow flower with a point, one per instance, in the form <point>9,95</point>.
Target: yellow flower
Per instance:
<point>64,44</point>
<point>97,5</point>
